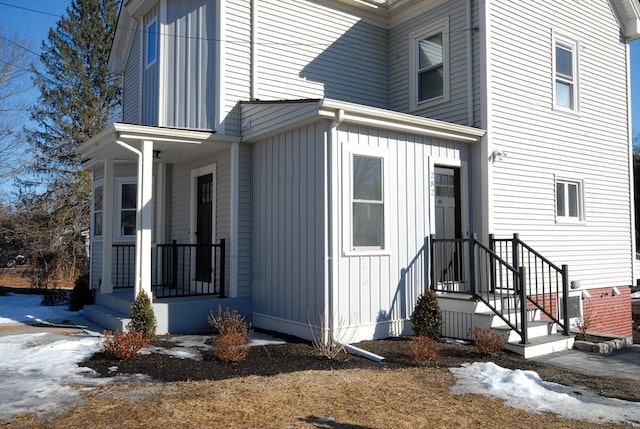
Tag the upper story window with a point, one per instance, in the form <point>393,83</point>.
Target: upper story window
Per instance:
<point>569,201</point>
<point>565,74</point>
<point>429,65</point>
<point>98,192</point>
<point>151,42</point>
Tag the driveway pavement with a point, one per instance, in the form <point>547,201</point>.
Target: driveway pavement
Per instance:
<point>623,363</point>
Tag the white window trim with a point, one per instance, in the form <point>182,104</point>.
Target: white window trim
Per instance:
<point>118,208</point>
<point>574,45</point>
<point>581,219</point>
<point>96,184</point>
<point>440,26</point>
<point>348,153</point>
<point>147,33</point>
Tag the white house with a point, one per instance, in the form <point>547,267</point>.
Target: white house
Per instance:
<point>317,163</point>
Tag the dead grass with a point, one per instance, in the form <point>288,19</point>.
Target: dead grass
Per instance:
<point>402,398</point>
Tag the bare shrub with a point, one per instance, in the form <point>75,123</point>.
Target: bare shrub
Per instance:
<point>231,347</point>
<point>489,341</point>
<point>229,321</point>
<point>124,345</point>
<point>583,323</point>
<point>423,349</point>
<point>324,341</point>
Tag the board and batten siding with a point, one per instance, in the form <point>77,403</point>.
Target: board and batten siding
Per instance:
<point>150,75</point>
<point>543,143</point>
<point>455,109</point>
<point>190,44</point>
<point>300,56</point>
<point>237,62</point>
<point>376,293</point>
<point>131,82</point>
<point>288,228</point>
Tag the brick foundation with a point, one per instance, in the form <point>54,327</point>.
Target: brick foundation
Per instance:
<point>609,314</point>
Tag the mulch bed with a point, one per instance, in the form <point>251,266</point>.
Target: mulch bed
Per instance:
<point>297,355</point>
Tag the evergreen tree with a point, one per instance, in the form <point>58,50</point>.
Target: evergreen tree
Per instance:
<point>78,98</point>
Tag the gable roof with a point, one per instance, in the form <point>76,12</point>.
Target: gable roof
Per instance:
<point>629,15</point>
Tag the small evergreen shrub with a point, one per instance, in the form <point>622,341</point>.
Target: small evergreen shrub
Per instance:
<point>489,341</point>
<point>423,349</point>
<point>142,316</point>
<point>231,347</point>
<point>123,345</point>
<point>82,294</point>
<point>426,317</point>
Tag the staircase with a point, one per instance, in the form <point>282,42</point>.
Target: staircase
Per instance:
<point>507,286</point>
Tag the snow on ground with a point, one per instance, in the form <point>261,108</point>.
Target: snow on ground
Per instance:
<point>40,372</point>
<point>525,390</point>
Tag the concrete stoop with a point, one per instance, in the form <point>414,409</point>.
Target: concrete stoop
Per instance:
<point>467,313</point>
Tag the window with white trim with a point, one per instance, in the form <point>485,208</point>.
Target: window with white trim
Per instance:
<point>98,205</point>
<point>367,202</point>
<point>569,201</point>
<point>126,208</point>
<point>151,42</point>
<point>429,64</point>
<point>565,74</point>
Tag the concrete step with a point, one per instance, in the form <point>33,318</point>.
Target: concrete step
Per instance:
<point>535,329</point>
<point>542,345</point>
<point>119,302</point>
<point>107,318</point>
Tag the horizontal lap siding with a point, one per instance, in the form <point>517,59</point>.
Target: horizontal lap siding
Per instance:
<point>541,142</point>
<point>454,110</point>
<point>190,82</point>
<point>288,234</point>
<point>300,56</point>
<point>259,118</point>
<point>131,83</point>
<point>385,288</point>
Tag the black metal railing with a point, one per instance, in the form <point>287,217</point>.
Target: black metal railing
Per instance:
<point>177,270</point>
<point>547,283</point>
<point>465,265</point>
<point>508,276</point>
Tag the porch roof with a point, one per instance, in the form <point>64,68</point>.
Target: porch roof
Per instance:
<point>172,145</point>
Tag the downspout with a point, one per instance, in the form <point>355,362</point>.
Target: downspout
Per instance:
<point>138,285</point>
<point>631,166</point>
<point>254,51</point>
<point>330,171</point>
<point>471,119</point>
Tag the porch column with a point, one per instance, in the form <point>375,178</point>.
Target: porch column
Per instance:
<point>107,226</point>
<point>145,216</point>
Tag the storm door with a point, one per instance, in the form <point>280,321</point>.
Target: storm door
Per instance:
<point>448,224</point>
<point>204,227</point>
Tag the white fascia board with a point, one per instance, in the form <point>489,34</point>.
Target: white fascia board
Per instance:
<point>122,41</point>
<point>119,131</point>
<point>373,116</point>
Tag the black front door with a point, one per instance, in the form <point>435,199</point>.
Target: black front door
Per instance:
<point>448,223</point>
<point>204,228</point>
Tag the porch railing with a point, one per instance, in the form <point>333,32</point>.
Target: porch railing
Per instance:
<point>177,270</point>
<point>506,284</point>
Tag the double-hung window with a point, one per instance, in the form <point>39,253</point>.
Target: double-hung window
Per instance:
<point>98,193</point>
<point>569,201</point>
<point>127,208</point>
<point>566,74</point>
<point>429,64</point>
<point>367,202</point>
